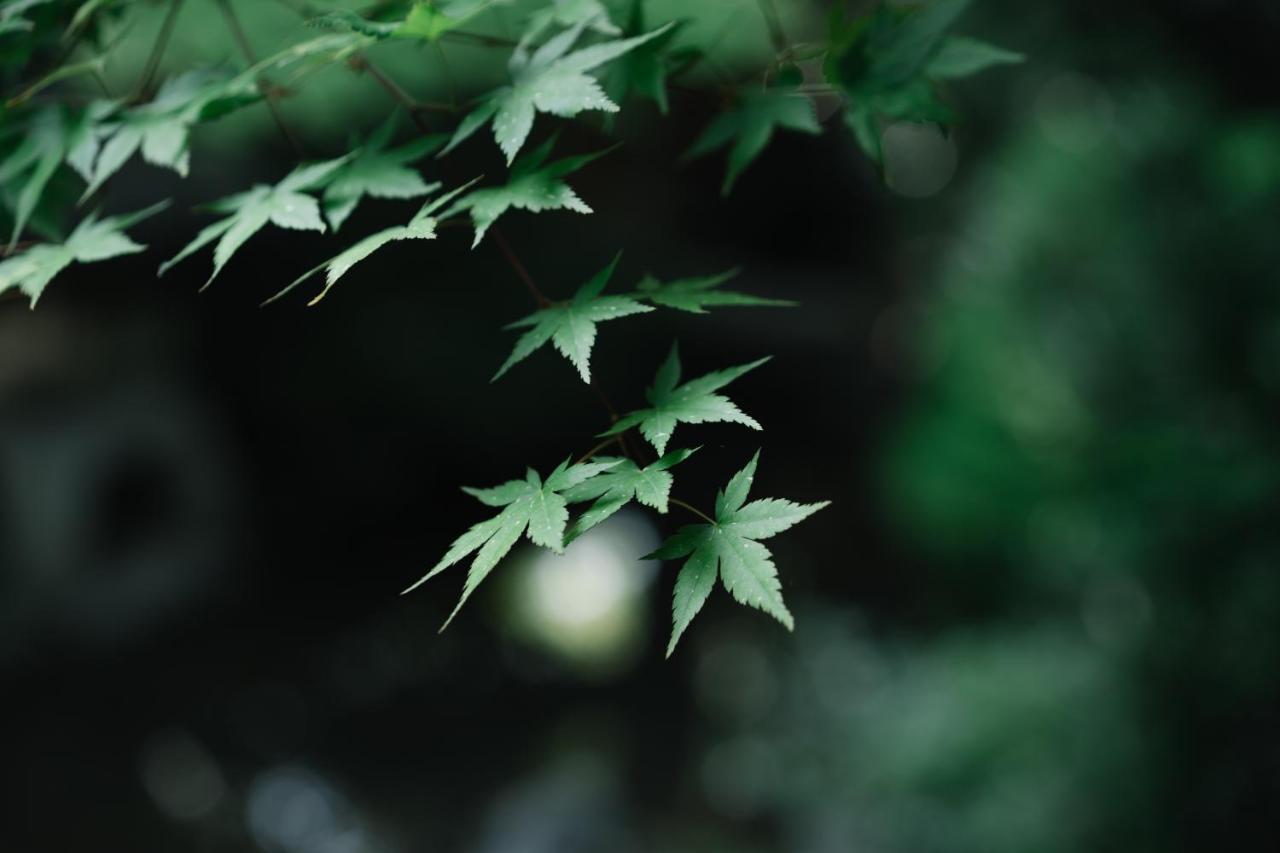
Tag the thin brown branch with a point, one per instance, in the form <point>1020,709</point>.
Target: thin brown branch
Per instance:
<point>693,509</point>
<point>246,49</point>
<point>411,104</point>
<point>521,272</point>
<point>157,50</point>
<point>601,446</point>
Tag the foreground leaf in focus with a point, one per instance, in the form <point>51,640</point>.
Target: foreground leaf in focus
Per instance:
<point>692,403</point>
<point>377,172</point>
<point>571,326</point>
<point>730,548</point>
<point>532,186</point>
<point>285,205</point>
<point>624,482</point>
<point>532,507</point>
<point>552,80</point>
<point>93,240</point>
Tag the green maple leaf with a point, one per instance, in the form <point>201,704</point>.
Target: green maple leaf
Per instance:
<point>377,172</point>
<point>429,20</point>
<point>566,14</point>
<point>532,186</point>
<point>889,61</point>
<point>421,227</point>
<point>571,326</point>
<point>11,20</point>
<point>92,240</point>
<point>730,548</point>
<point>696,294</point>
<point>749,126</point>
<point>960,56</point>
<point>624,482</point>
<point>49,138</point>
<point>694,402</point>
<point>161,129</point>
<point>644,71</point>
<point>285,205</point>
<point>426,20</point>
<point>532,507</point>
<point>552,80</point>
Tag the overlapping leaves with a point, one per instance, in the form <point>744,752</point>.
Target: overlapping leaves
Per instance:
<point>534,507</point>
<point>534,185</point>
<point>160,129</point>
<point>622,483</point>
<point>285,205</point>
<point>92,240</point>
<point>421,227</point>
<point>378,172</point>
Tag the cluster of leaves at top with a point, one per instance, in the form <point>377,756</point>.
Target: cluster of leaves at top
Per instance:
<point>571,57</point>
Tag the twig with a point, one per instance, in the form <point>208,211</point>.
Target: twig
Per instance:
<point>242,40</point>
<point>157,50</point>
<point>411,104</point>
<point>693,509</point>
<point>519,268</point>
<point>601,446</point>
<point>449,79</point>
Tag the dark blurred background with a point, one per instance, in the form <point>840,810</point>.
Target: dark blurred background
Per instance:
<point>1037,371</point>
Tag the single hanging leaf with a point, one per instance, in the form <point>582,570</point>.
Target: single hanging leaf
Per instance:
<point>92,240</point>
<point>624,482</point>
<point>889,61</point>
<point>730,547</point>
<point>284,205</point>
<point>551,81</point>
<point>750,125</point>
<point>532,187</point>
<point>571,326</point>
<point>377,172</point>
<point>692,403</point>
<point>421,227</point>
<point>531,507</point>
<point>696,294</point>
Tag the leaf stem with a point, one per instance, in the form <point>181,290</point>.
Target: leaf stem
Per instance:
<point>521,272</point>
<point>601,446</point>
<point>157,50</point>
<point>693,509</point>
<point>246,49</point>
<point>411,104</point>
